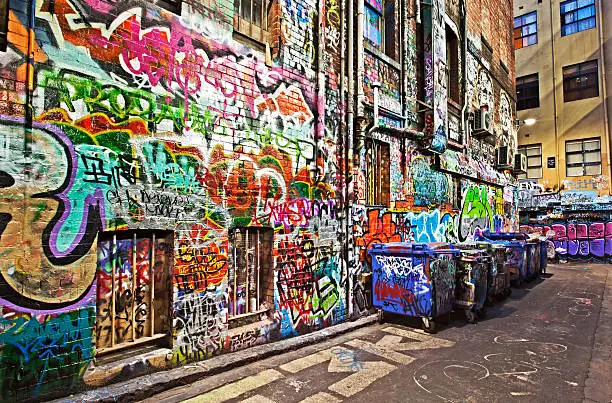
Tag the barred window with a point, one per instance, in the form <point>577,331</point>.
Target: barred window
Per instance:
<point>251,274</point>
<point>133,283</point>
<point>251,19</point>
<point>378,164</point>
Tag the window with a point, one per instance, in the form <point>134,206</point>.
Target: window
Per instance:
<point>527,92</point>
<point>379,28</point>
<point>583,157</point>
<point>251,277</point>
<point>4,18</point>
<point>580,81</point>
<point>576,16</point>
<point>534,161</point>
<point>174,6</point>
<point>377,173</point>
<point>456,193</point>
<point>452,57</point>
<point>133,283</point>
<point>525,30</point>
<point>251,19</point>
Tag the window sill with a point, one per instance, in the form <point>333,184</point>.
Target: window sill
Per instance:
<point>377,53</point>
<point>246,315</point>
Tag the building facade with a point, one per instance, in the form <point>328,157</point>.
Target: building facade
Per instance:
<point>561,62</point>
<point>193,178</point>
<point>562,56</point>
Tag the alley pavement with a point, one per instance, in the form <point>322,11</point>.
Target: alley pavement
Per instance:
<point>551,340</point>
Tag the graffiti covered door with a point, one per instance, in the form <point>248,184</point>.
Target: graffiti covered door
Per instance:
<point>133,297</point>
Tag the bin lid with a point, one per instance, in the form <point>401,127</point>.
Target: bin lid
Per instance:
<point>469,254</point>
<point>401,248</point>
<point>442,247</point>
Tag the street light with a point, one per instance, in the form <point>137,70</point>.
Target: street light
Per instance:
<point>527,122</point>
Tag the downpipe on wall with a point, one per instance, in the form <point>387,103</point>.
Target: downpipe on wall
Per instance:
<point>604,82</point>
<point>464,120</point>
<point>349,16</point>
<point>360,57</point>
<point>29,84</point>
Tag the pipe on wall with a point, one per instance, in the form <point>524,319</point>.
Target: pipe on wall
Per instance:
<point>360,57</point>
<point>604,84</point>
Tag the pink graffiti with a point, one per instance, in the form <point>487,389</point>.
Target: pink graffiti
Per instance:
<point>580,240</point>
<point>295,212</point>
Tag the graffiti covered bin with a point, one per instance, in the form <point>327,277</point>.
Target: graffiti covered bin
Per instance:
<point>516,259</point>
<point>414,279</point>
<point>498,279</point>
<point>472,273</point>
<point>533,258</point>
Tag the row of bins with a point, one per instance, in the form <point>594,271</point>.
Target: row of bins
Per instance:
<point>428,281</point>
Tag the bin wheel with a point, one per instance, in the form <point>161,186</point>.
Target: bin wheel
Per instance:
<point>482,313</point>
<point>470,316</point>
<point>507,292</point>
<point>381,316</point>
<point>429,325</point>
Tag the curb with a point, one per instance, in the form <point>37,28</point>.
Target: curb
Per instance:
<point>141,387</point>
<point>598,384</point>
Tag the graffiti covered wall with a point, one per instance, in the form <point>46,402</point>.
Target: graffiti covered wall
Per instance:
<point>145,120</point>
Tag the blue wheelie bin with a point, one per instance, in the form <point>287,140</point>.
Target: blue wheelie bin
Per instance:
<point>416,280</point>
<point>471,290</point>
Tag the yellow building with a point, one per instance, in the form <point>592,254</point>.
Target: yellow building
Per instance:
<point>561,65</point>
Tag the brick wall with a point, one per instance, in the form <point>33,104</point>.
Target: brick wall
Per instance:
<point>149,120</point>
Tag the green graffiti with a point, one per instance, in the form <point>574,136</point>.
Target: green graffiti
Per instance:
<point>476,211</point>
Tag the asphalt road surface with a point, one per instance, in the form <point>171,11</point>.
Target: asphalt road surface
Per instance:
<point>550,341</point>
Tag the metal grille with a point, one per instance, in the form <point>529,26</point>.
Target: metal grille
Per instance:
<point>250,274</point>
<point>132,289</point>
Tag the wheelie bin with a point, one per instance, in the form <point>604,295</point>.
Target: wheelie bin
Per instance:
<point>543,254</point>
<point>516,260</point>
<point>498,278</point>
<point>416,280</point>
<point>471,289</point>
<point>533,258</point>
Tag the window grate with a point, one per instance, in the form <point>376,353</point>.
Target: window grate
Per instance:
<point>377,173</point>
<point>250,275</point>
<point>132,289</point>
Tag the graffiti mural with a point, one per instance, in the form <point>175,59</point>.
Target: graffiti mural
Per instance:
<point>578,240</point>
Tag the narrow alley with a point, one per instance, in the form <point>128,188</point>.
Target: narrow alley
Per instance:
<point>549,341</point>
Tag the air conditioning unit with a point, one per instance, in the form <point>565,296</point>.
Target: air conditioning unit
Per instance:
<point>520,163</point>
<point>503,158</point>
<point>483,124</point>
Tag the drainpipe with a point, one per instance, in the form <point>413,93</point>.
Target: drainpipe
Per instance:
<point>604,85</point>
<point>350,96</point>
<point>464,121</point>
<point>360,72</point>
<point>320,130</point>
<point>554,78</point>
<point>345,155</point>
<point>29,112</point>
